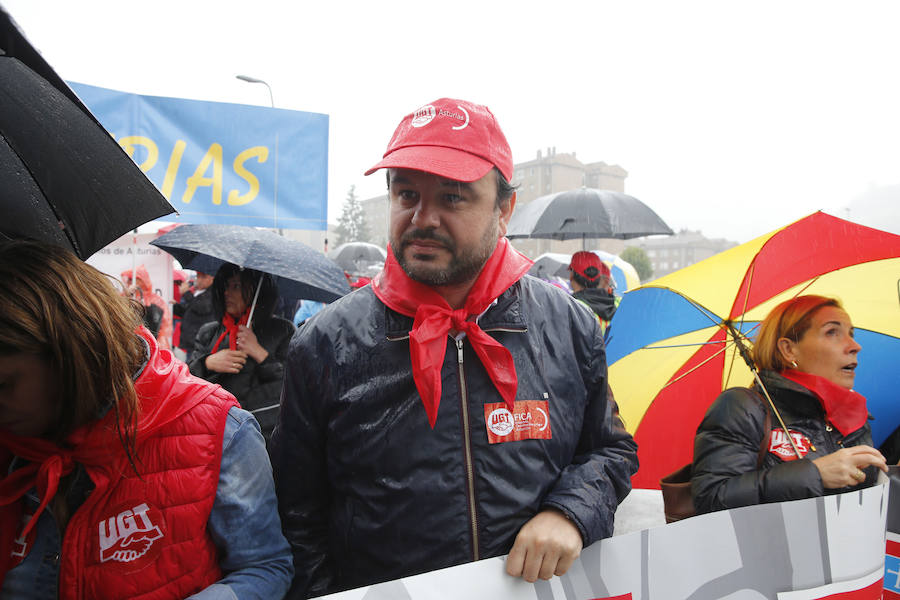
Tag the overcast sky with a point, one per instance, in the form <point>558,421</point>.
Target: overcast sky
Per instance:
<point>732,118</point>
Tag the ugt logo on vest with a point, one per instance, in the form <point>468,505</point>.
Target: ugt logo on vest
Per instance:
<point>131,535</point>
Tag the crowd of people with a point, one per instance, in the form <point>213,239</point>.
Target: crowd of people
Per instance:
<point>452,409</point>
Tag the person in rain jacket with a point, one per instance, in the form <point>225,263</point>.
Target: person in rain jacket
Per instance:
<point>248,361</point>
<point>807,356</point>
<point>141,288</point>
<point>592,284</point>
<point>196,310</point>
<point>454,409</point>
<point>121,474</point>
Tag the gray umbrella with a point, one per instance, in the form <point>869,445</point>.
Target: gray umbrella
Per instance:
<point>300,271</point>
<point>585,213</point>
<point>356,257</point>
<point>549,265</point>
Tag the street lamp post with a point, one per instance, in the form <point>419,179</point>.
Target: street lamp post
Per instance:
<point>249,79</point>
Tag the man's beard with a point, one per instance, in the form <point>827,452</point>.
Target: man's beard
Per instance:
<point>464,266</point>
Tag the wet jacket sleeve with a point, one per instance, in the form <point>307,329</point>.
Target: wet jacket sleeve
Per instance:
<point>202,343</point>
<point>590,489</point>
<point>254,556</point>
<point>303,501</point>
<point>272,368</point>
<point>726,451</point>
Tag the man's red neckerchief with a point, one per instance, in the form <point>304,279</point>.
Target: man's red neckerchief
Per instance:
<point>434,319</point>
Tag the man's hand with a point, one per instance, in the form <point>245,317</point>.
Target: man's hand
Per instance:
<point>547,545</point>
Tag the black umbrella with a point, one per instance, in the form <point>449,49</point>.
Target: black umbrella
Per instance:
<point>299,271</point>
<point>63,178</point>
<point>355,257</point>
<point>585,213</point>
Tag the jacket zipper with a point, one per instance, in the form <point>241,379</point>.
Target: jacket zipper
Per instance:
<point>467,450</point>
<point>506,330</point>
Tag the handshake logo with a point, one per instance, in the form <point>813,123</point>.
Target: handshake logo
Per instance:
<point>129,535</point>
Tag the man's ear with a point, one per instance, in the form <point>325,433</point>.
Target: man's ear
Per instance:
<point>506,210</point>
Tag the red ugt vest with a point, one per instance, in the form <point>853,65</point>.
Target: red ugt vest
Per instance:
<point>145,536</point>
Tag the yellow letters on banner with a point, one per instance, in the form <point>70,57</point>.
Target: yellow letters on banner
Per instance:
<point>213,156</point>
<point>261,153</point>
<point>130,141</point>
<point>172,169</point>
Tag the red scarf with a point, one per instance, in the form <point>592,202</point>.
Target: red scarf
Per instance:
<point>434,319</point>
<point>48,464</point>
<point>231,330</point>
<point>845,409</point>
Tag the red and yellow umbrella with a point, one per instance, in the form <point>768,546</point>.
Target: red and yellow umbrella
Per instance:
<point>671,350</point>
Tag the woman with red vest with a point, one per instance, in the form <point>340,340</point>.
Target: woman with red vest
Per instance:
<point>121,475</point>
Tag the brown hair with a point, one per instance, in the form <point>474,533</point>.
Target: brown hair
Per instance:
<point>59,308</point>
<point>790,319</point>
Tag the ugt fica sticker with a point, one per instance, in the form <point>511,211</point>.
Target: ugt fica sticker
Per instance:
<point>529,420</point>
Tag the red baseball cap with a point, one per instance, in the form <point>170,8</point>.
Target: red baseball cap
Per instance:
<point>451,138</point>
<point>588,265</point>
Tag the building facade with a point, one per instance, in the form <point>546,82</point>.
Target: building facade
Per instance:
<point>547,173</point>
<point>686,247</point>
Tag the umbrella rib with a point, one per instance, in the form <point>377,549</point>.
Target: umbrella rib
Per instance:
<point>70,235</point>
<point>730,364</point>
<point>703,310</point>
<point>746,297</point>
<point>688,372</point>
<point>726,343</point>
<point>682,345</point>
<point>808,284</point>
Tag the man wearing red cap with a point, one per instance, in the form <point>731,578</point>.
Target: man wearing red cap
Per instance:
<point>455,409</point>
<point>592,285</point>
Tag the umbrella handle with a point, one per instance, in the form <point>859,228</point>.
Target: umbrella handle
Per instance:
<point>745,354</point>
<point>255,296</point>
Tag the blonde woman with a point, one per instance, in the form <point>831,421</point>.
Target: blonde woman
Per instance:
<point>807,358</point>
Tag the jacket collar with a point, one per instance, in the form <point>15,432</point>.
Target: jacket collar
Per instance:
<point>506,313</point>
<point>807,402</point>
<point>801,401</point>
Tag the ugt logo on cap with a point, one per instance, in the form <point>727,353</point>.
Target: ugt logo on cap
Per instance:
<point>423,116</point>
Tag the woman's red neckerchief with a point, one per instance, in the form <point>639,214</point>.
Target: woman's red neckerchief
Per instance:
<point>231,330</point>
<point>434,319</point>
<point>845,409</point>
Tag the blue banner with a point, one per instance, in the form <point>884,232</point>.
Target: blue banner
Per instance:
<point>223,163</point>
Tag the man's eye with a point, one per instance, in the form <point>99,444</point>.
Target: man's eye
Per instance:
<point>452,198</point>
<point>407,195</point>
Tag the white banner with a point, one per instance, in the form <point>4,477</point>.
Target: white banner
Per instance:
<point>131,249</point>
<point>831,547</point>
